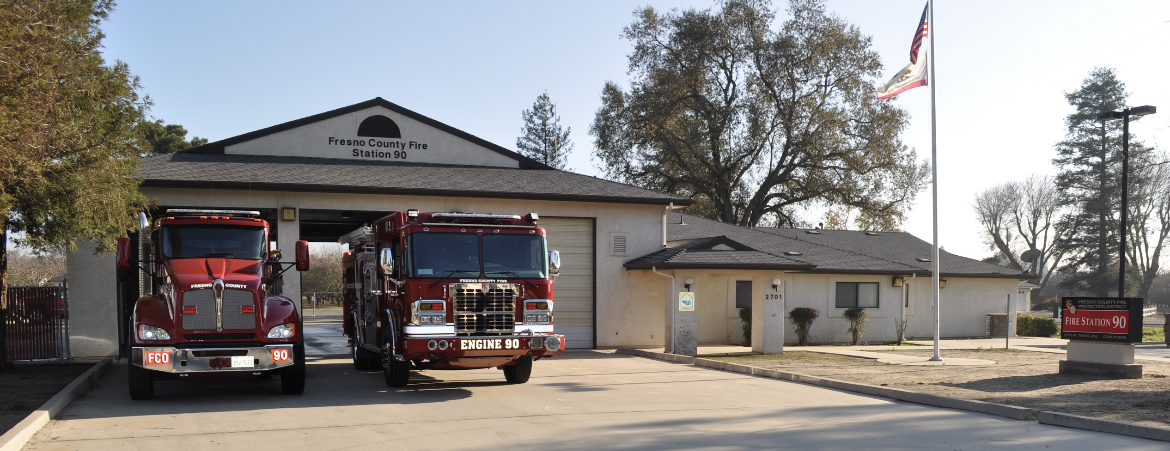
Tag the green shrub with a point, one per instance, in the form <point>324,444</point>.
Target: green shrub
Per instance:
<point>1035,326</point>
<point>802,318</point>
<point>745,315</point>
<point>857,317</point>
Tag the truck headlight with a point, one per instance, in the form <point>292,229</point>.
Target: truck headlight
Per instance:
<point>147,332</point>
<point>428,313</point>
<point>538,311</point>
<point>286,330</point>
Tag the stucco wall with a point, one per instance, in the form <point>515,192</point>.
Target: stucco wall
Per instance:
<point>93,303</point>
<point>965,303</point>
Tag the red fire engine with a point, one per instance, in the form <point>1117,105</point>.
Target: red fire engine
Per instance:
<point>450,291</point>
<point>215,310</point>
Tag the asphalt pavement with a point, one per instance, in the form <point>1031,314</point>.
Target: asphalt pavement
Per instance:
<point>581,400</point>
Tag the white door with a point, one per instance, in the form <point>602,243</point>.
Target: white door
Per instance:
<point>573,289</point>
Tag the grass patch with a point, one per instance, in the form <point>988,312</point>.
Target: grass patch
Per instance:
<point>1153,334</point>
<point>983,349</point>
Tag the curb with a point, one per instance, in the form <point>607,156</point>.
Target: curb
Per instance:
<point>1099,425</point>
<point>20,434</point>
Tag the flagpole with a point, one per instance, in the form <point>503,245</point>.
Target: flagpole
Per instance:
<point>932,60</point>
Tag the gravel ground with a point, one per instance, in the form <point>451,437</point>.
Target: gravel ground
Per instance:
<point>28,387</point>
<point>1019,378</point>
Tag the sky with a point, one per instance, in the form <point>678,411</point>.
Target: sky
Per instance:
<point>225,68</point>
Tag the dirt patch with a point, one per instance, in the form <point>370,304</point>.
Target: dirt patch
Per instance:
<point>1018,378</point>
<point>28,387</point>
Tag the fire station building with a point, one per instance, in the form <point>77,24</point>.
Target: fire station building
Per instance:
<point>320,177</point>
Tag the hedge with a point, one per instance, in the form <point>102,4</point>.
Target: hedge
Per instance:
<point>1035,326</point>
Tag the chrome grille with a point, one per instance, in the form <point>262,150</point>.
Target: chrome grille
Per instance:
<point>233,318</point>
<point>204,316</point>
<point>484,308</point>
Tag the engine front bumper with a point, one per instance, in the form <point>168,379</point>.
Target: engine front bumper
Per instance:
<point>210,360</point>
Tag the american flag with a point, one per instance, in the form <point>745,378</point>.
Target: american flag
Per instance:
<point>918,35</point>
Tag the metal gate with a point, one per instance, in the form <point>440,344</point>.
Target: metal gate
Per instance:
<point>37,320</point>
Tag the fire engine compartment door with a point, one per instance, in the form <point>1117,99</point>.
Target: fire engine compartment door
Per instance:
<point>369,304</point>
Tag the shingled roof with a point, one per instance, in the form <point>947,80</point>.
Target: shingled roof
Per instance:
<point>225,171</point>
<point>814,251</point>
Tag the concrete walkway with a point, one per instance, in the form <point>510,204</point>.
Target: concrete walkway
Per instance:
<point>1143,351</point>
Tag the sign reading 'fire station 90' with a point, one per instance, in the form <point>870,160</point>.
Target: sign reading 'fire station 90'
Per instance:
<point>1116,320</point>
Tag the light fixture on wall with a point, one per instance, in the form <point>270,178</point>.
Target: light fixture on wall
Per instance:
<point>687,283</point>
<point>898,281</point>
<point>288,214</point>
<point>776,283</point>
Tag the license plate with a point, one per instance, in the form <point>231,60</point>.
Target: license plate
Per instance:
<point>243,362</point>
<point>156,358</point>
<point>497,343</point>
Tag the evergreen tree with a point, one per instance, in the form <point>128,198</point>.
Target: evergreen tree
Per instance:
<point>542,137</point>
<point>68,131</point>
<point>163,138</point>
<point>1089,180</point>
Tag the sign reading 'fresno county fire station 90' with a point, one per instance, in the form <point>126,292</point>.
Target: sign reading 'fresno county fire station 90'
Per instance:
<point>1116,320</point>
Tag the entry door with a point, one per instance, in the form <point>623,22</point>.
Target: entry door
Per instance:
<point>573,290</point>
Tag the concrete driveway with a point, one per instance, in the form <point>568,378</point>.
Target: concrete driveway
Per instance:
<point>581,400</point>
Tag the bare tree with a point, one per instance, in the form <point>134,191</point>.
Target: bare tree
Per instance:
<point>1149,220</point>
<point>994,208</point>
<point>1017,216</point>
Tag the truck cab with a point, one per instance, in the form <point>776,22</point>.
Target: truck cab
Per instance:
<point>449,291</point>
<point>215,308</point>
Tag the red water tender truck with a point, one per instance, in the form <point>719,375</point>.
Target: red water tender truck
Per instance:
<point>215,308</point>
<point>450,291</point>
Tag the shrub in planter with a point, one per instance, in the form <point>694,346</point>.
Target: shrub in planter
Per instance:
<point>1035,326</point>
<point>802,318</point>
<point>856,317</point>
<point>745,315</point>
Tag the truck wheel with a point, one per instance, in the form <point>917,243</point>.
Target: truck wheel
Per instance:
<point>397,373</point>
<point>292,379</point>
<point>141,383</point>
<point>520,372</point>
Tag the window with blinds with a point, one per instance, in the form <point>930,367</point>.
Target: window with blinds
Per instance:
<point>857,294</point>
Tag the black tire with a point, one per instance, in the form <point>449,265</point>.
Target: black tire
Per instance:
<point>520,372</point>
<point>141,383</point>
<point>397,372</point>
<point>292,379</point>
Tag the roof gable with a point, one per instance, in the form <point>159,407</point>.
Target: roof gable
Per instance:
<point>374,130</point>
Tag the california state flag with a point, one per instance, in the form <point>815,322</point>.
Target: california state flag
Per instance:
<point>912,76</point>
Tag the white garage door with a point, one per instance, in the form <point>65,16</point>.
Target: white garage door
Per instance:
<point>573,289</point>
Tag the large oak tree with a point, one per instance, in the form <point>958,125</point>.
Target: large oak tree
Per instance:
<point>755,121</point>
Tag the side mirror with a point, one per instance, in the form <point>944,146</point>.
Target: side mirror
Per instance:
<point>124,253</point>
<point>302,255</point>
<point>554,264</point>
<point>386,262</point>
<point>143,221</point>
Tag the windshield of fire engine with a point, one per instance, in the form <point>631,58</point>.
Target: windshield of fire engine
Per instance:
<point>455,255</point>
<point>192,241</point>
<point>440,254</point>
<point>513,256</point>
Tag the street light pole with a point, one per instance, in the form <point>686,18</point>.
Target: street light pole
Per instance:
<point>1124,200</point>
<point>1124,116</point>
